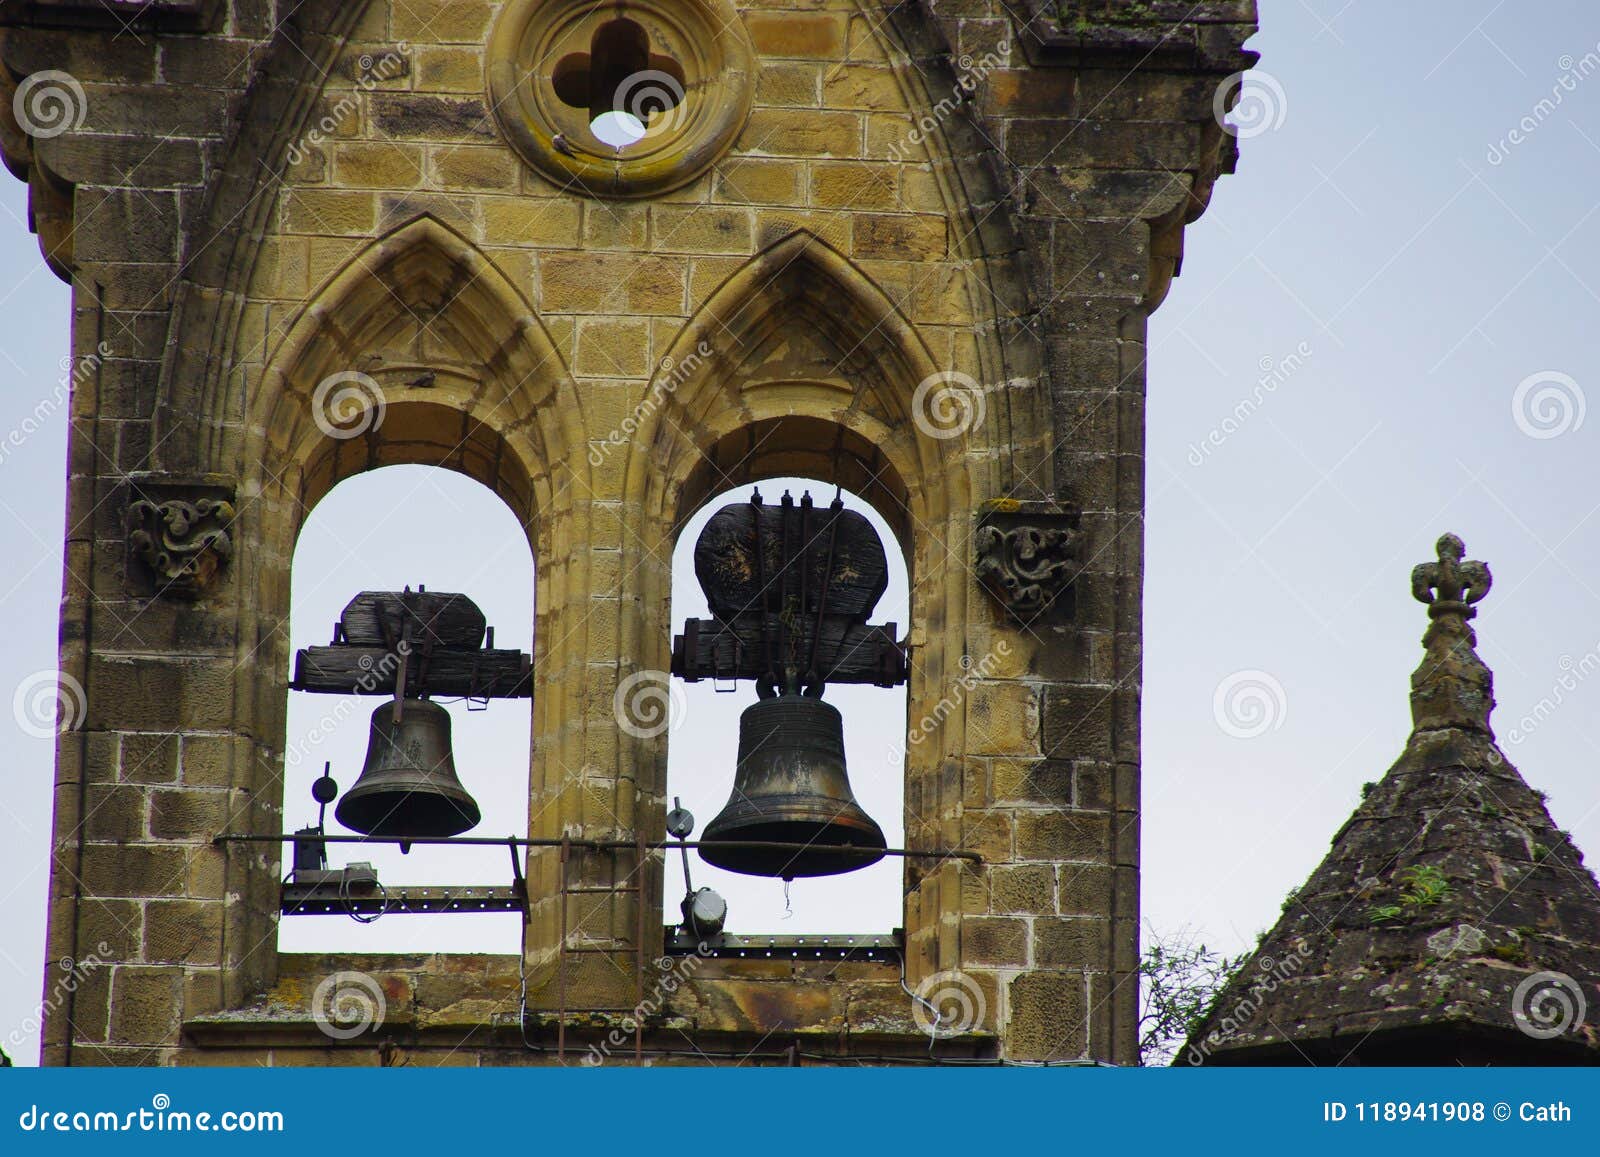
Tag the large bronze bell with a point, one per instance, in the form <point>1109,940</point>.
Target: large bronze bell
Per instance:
<point>408,785</point>
<point>790,787</point>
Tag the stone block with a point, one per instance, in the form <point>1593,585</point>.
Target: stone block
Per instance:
<point>1063,835</point>
<point>145,1005</point>
<point>1049,1017</point>
<point>182,932</point>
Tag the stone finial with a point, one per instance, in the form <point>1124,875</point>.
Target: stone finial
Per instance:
<point>1452,687</point>
<point>1458,584</point>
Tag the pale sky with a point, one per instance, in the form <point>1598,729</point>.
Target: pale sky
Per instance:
<point>1421,289</point>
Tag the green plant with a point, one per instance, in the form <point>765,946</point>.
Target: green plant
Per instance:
<point>1368,788</point>
<point>1421,886</point>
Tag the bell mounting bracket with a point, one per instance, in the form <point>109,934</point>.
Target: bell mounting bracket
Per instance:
<point>790,589</point>
<point>413,644</point>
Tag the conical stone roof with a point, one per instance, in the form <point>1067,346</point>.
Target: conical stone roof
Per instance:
<point>1451,921</point>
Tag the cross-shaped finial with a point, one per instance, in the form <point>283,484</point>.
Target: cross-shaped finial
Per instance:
<point>1450,586</point>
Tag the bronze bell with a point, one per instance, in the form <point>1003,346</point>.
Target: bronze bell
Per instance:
<point>790,786</point>
<point>408,785</point>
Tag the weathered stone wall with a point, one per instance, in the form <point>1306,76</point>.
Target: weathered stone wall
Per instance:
<point>248,208</point>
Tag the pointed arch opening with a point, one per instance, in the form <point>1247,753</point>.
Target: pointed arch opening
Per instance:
<point>385,529</point>
<point>416,368</point>
<point>703,751</point>
<point>799,366</point>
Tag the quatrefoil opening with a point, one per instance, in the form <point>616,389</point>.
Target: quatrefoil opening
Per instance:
<point>629,99</point>
<point>628,91</point>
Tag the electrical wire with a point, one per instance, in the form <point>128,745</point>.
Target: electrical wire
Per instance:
<point>933,1030</point>
<point>349,907</point>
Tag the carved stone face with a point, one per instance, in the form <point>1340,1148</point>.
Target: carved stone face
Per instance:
<point>623,100</point>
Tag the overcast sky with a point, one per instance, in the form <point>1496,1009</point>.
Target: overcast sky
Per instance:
<point>1401,280</point>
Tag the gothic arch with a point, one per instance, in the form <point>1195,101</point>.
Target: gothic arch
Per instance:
<point>430,322</point>
<point>797,331</point>
<point>446,364</point>
<point>799,364</point>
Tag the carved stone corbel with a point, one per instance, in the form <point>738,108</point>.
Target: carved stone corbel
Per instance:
<point>179,537</point>
<point>1025,554</point>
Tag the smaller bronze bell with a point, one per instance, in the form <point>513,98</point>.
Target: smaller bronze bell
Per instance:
<point>408,785</point>
<point>790,787</point>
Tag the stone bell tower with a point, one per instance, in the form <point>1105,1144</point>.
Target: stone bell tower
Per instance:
<point>610,261</point>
